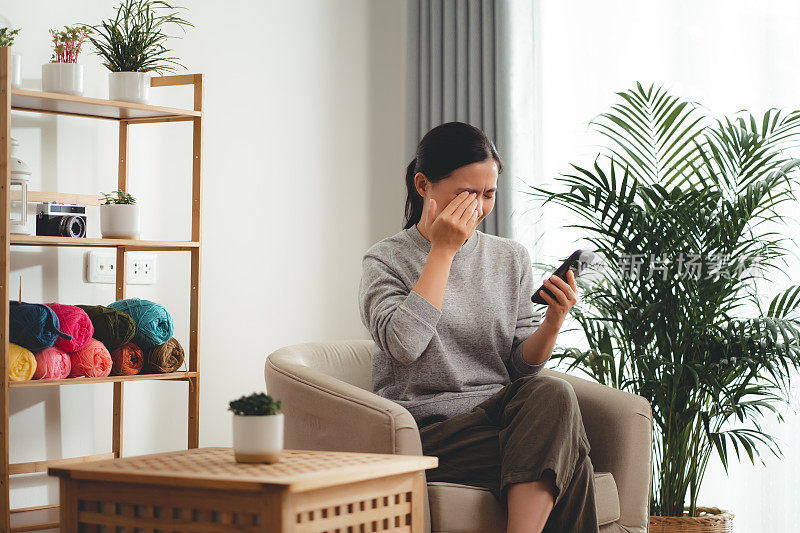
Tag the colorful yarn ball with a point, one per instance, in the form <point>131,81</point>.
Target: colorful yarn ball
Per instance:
<point>75,322</point>
<point>21,363</point>
<point>127,360</point>
<point>111,327</point>
<point>52,363</point>
<point>165,358</point>
<point>91,361</point>
<point>153,322</point>
<point>33,326</point>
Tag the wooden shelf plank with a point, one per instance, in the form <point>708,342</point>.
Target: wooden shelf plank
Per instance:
<point>171,376</point>
<point>81,106</point>
<point>60,197</point>
<point>35,518</point>
<point>130,244</point>
<point>33,467</point>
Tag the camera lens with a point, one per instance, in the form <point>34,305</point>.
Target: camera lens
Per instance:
<point>71,226</point>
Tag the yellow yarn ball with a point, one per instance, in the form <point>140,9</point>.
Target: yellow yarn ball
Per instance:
<point>21,363</point>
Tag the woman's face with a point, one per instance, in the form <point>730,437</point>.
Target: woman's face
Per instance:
<point>480,178</point>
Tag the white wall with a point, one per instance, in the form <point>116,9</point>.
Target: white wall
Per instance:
<point>302,172</point>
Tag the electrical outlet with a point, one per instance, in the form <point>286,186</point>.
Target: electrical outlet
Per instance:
<point>101,267</point>
<point>141,269</point>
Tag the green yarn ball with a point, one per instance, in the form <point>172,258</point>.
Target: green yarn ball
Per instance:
<point>111,326</point>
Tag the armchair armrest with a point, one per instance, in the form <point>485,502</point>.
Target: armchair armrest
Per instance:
<point>325,413</point>
<point>619,427</point>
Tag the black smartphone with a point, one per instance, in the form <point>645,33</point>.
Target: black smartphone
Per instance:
<point>576,262</point>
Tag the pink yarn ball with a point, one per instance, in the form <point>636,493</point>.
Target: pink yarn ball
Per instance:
<point>72,321</point>
<point>91,361</point>
<point>52,363</point>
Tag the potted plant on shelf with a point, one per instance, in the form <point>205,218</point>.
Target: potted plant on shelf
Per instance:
<point>132,45</point>
<point>64,74</point>
<point>119,216</point>
<point>257,428</point>
<point>682,208</point>
<point>7,36</point>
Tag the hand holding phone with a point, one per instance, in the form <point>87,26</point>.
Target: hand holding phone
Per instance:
<point>576,262</point>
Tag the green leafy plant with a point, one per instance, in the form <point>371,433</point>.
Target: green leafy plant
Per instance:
<point>255,404</point>
<point>7,36</point>
<point>685,212</point>
<point>67,43</point>
<point>134,40</point>
<point>117,197</point>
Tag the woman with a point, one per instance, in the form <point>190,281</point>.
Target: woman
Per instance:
<point>458,344</point>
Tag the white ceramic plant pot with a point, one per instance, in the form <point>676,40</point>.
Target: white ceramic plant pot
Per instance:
<point>16,71</point>
<point>129,86</point>
<point>64,78</point>
<point>257,438</point>
<point>119,221</point>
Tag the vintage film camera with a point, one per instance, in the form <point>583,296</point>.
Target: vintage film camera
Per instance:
<point>60,220</point>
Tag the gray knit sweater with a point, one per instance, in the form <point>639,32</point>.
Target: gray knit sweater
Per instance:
<point>435,362</point>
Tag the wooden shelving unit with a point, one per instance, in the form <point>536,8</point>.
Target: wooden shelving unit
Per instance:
<point>126,114</point>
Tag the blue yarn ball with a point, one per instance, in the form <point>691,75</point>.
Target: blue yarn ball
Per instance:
<point>33,326</point>
<point>154,324</point>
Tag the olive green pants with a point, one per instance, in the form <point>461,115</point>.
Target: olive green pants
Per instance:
<point>531,425</point>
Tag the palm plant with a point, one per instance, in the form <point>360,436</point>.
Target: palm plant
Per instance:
<point>134,40</point>
<point>685,212</point>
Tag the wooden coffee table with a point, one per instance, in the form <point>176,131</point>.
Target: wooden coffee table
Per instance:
<point>205,490</point>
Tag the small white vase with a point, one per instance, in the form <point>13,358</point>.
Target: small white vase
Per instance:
<point>66,78</point>
<point>257,438</point>
<point>119,221</point>
<point>16,71</point>
<point>129,87</point>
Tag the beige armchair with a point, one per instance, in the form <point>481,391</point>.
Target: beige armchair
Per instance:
<point>326,392</point>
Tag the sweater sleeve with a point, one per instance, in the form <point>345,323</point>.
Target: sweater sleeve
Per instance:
<point>528,321</point>
<point>402,322</point>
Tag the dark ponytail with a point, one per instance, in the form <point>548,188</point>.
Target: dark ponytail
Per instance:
<point>442,150</point>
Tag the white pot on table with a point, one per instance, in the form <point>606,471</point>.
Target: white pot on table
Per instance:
<point>129,87</point>
<point>257,438</point>
<point>119,221</point>
<point>66,78</point>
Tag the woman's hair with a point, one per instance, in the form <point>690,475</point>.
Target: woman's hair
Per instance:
<point>442,150</point>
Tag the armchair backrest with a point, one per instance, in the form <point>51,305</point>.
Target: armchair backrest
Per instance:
<point>326,390</point>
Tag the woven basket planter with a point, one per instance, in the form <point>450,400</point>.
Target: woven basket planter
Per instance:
<point>707,520</point>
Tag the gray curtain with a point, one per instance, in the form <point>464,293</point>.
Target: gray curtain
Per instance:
<point>458,59</point>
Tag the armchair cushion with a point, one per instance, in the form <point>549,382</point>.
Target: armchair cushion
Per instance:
<point>459,508</point>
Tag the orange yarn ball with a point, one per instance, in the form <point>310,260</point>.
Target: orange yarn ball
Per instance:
<point>91,361</point>
<point>127,360</point>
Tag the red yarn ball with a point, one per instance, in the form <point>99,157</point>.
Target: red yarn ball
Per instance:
<point>73,321</point>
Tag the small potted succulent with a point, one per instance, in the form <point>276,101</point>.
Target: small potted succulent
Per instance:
<point>7,36</point>
<point>132,45</point>
<point>119,216</point>
<point>64,74</point>
<point>257,428</point>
